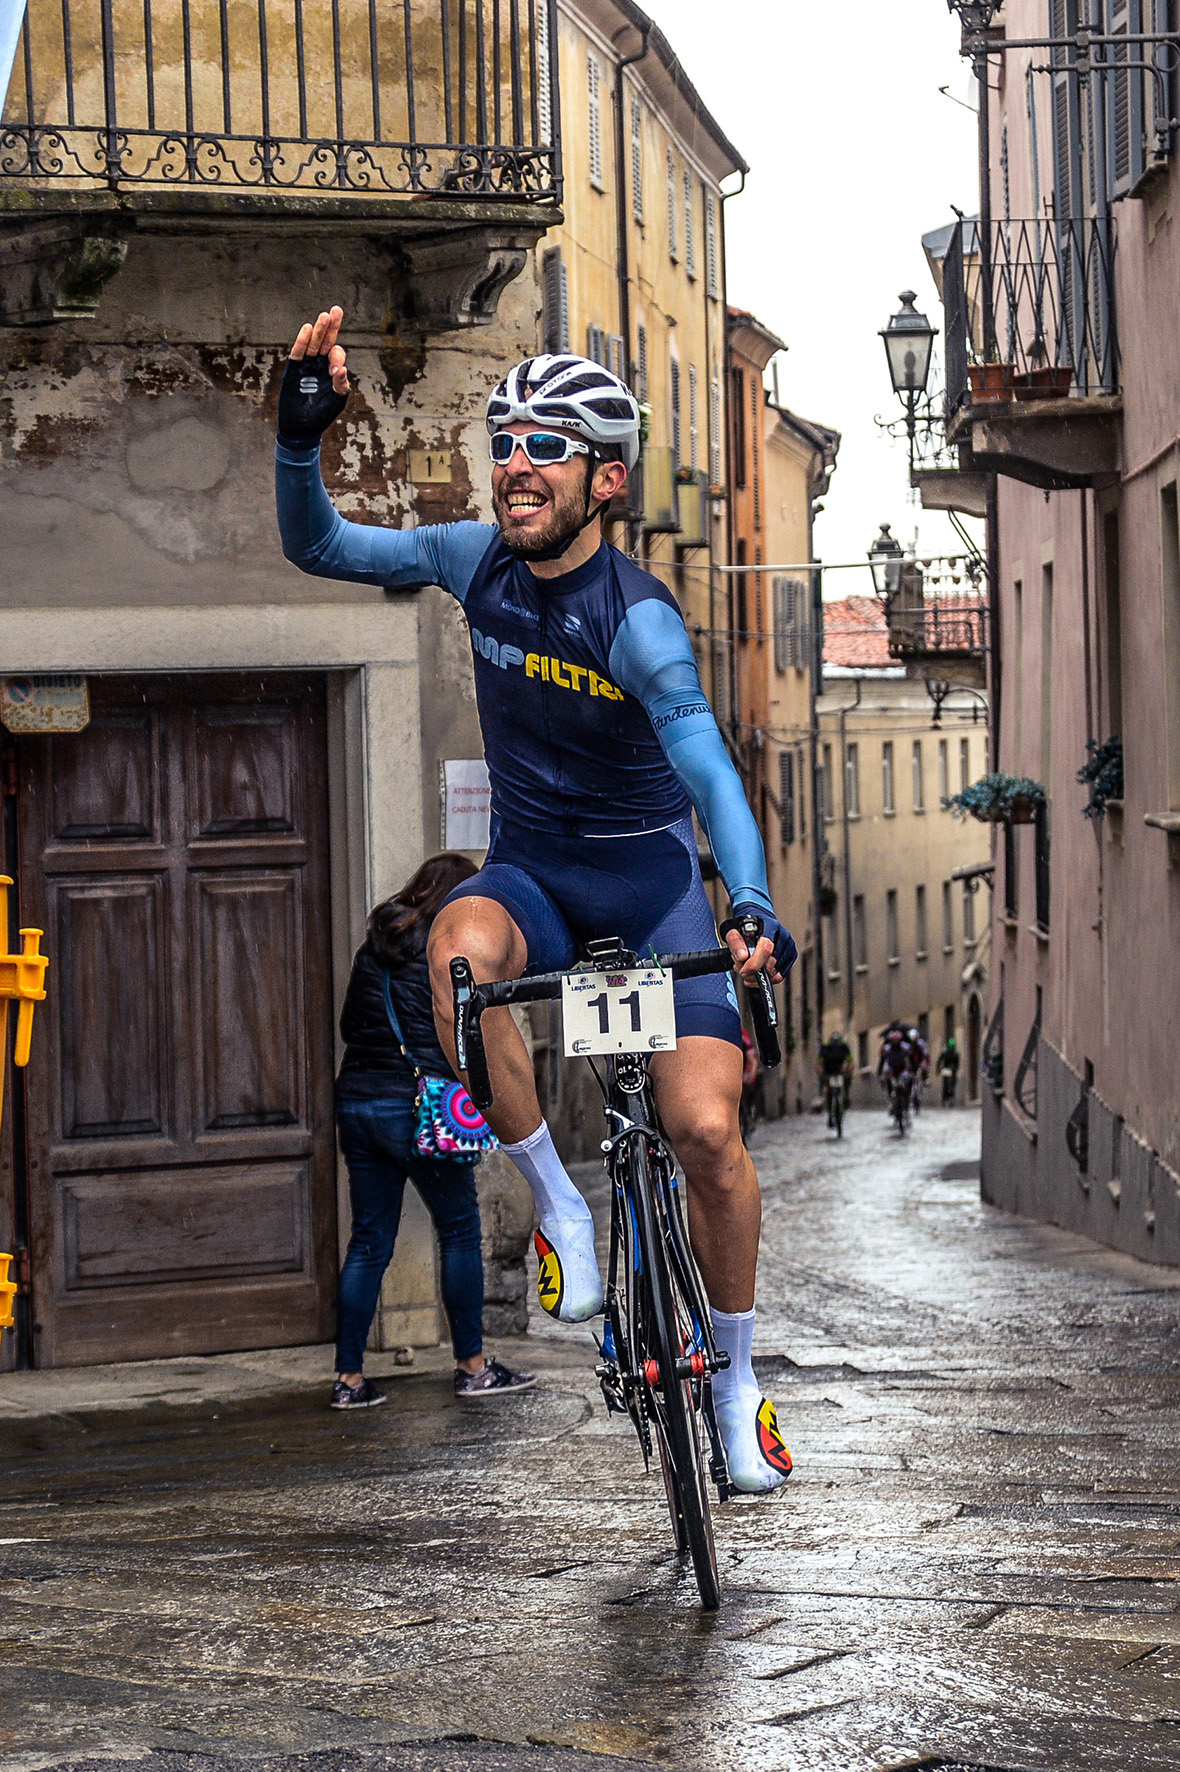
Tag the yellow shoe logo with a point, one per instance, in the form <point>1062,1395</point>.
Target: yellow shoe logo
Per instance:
<point>550,1285</point>
<point>770,1442</point>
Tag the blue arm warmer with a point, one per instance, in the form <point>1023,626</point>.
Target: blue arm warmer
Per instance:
<point>652,659</point>
<point>319,540</point>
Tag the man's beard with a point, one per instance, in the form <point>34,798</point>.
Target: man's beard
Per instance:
<point>566,519</point>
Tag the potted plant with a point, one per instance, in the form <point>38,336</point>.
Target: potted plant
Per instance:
<point>990,382</point>
<point>999,799</point>
<point>1102,773</point>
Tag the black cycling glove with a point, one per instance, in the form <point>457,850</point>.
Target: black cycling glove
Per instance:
<point>785,951</point>
<point>308,403</point>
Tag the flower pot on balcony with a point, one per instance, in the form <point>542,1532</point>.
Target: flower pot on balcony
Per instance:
<point>1020,811</point>
<point>1044,384</point>
<point>990,382</point>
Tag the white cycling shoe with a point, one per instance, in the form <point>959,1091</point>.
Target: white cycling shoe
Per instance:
<point>569,1284</point>
<point>754,1449</point>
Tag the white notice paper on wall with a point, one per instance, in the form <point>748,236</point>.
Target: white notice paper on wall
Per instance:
<point>466,803</point>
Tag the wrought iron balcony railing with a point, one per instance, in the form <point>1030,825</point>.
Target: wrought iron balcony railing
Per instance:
<point>1031,315</point>
<point>450,98</point>
<point>942,627</point>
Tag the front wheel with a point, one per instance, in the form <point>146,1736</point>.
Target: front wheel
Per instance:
<point>838,1112</point>
<point>675,1398</point>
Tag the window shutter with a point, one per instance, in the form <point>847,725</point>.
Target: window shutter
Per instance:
<point>616,359</point>
<point>782,624</point>
<point>594,100</point>
<point>756,404</point>
<point>786,794</point>
<point>672,252</point>
<point>674,382</point>
<point>694,422</point>
<point>636,160</point>
<point>544,76</point>
<point>715,432</point>
<point>641,362</point>
<point>555,311</point>
<point>596,344</point>
<point>690,252</point>
<point>713,279</point>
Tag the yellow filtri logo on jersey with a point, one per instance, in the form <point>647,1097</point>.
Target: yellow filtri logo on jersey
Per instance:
<point>569,676</point>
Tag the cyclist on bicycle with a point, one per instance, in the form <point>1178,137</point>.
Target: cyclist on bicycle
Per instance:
<point>600,745</point>
<point>896,1064</point>
<point>835,1069</point>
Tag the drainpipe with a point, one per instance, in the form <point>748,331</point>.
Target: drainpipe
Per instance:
<point>623,245</point>
<point>844,713</point>
<point>727,433</point>
<point>623,250</point>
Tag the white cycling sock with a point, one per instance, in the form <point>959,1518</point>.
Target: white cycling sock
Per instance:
<point>733,1332</point>
<point>558,1200</point>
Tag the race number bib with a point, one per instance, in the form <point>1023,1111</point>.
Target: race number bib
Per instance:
<point>629,1011</point>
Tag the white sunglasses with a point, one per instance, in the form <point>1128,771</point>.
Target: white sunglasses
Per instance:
<point>545,449</point>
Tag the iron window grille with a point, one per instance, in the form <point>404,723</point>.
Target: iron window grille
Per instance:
<point>1024,1083</point>
<point>440,97</point>
<point>992,1054</point>
<point>1041,864</point>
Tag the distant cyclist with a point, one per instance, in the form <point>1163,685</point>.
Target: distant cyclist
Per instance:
<point>948,1069</point>
<point>835,1070</point>
<point>600,746</point>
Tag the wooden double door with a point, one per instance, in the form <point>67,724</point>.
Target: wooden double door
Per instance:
<point>180,1146</point>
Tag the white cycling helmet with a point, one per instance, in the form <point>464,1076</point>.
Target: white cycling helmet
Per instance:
<point>571,394</point>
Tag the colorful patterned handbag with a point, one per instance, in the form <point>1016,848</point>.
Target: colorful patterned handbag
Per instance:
<point>447,1122</point>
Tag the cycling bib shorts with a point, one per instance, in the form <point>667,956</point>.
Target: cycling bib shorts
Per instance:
<point>646,889</point>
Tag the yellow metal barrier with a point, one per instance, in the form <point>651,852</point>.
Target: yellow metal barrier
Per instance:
<point>22,976</point>
<point>7,1292</point>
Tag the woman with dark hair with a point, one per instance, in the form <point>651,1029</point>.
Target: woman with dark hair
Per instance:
<point>375,1120</point>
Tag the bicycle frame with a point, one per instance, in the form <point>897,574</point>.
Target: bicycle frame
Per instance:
<point>630,1110</point>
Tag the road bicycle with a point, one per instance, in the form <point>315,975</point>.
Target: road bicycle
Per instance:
<point>657,1351</point>
<point>949,1082</point>
<point>899,1102</point>
<point>835,1102</point>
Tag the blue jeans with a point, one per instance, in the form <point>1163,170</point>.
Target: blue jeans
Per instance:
<point>377,1142</point>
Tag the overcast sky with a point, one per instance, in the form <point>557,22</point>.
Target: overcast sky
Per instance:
<point>854,155</point>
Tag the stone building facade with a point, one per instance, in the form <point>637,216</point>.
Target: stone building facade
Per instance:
<point>261,763</point>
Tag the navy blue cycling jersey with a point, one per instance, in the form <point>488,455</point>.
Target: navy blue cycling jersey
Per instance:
<point>593,716</point>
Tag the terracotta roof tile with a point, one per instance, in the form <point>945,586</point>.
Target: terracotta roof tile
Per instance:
<point>854,634</point>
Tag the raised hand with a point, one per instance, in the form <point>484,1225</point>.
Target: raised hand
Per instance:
<point>314,388</point>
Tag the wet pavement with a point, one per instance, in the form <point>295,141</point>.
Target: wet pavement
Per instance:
<point>975,1562</point>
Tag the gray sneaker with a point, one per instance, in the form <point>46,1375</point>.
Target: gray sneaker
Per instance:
<point>355,1396</point>
<point>494,1381</point>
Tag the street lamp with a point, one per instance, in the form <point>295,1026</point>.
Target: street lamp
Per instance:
<point>885,559</point>
<point>909,343</point>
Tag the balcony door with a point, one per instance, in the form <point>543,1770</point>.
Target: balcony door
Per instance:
<point>181,1156</point>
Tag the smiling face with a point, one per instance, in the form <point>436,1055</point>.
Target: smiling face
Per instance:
<point>537,508</point>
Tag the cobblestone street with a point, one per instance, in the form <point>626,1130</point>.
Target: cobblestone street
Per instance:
<point>974,1562</point>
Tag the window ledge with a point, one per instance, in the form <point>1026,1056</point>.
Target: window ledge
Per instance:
<point>1011,924</point>
<point>1164,821</point>
<point>1039,930</point>
<point>861,970</point>
<point>894,960</point>
<point>853,817</point>
<point>921,953</point>
<point>889,812</point>
<point>948,947</point>
<point>919,811</point>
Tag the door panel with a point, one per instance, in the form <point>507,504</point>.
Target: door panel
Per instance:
<point>247,770</point>
<point>106,938</point>
<point>248,927</point>
<point>182,1159</point>
<point>108,787</point>
<point>175,1224</point>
